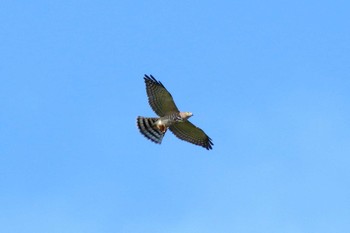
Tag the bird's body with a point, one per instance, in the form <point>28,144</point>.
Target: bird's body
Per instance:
<point>169,120</point>
<point>170,117</point>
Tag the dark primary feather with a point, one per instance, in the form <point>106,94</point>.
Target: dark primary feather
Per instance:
<point>189,132</point>
<point>159,98</point>
<point>152,79</point>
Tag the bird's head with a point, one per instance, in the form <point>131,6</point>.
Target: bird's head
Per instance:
<point>186,115</point>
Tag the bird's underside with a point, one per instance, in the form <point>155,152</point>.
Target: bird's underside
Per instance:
<point>162,103</point>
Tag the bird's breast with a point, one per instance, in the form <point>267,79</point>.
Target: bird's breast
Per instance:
<point>165,121</point>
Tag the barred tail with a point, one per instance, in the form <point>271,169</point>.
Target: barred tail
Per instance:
<point>149,130</point>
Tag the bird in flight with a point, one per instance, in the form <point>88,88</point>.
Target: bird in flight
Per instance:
<point>162,103</point>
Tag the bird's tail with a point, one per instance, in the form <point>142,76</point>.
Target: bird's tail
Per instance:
<point>149,130</point>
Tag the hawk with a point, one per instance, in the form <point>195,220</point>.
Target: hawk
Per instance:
<point>162,103</point>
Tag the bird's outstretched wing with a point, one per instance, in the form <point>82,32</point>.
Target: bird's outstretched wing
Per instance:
<point>189,132</point>
<point>159,98</point>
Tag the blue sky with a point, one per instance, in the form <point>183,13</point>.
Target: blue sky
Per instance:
<point>268,81</point>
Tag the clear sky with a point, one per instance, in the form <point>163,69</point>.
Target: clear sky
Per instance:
<point>268,81</point>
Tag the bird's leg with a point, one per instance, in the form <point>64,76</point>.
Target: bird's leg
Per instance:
<point>162,128</point>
